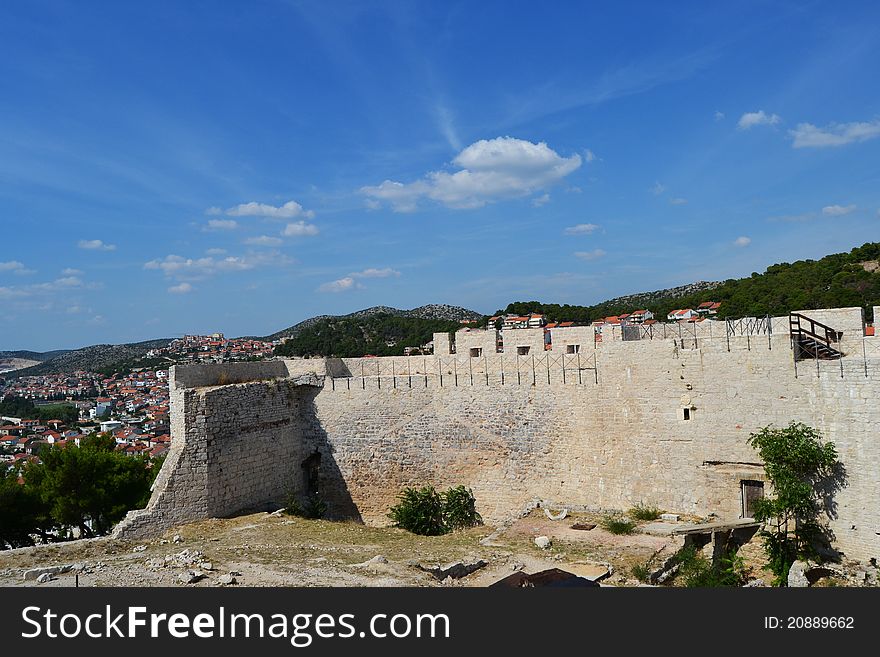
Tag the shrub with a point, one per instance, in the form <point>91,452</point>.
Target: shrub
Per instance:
<point>313,508</point>
<point>420,511</point>
<point>459,508</point>
<point>644,512</point>
<point>696,571</point>
<point>617,524</point>
<point>430,513</point>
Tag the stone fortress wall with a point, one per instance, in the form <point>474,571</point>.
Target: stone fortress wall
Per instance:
<point>602,428</point>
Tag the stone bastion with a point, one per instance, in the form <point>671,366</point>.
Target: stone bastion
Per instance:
<point>660,421</point>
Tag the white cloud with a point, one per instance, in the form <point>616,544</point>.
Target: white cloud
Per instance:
<point>539,201</point>
<point>590,255</point>
<point>580,229</point>
<point>71,272</point>
<point>719,116</point>
<point>751,119</point>
<point>589,155</point>
<point>658,188</point>
<point>340,285</point>
<point>12,293</point>
<point>96,245</point>
<point>742,241</point>
<point>11,265</point>
<point>678,201</point>
<point>215,251</point>
<point>289,210</point>
<point>489,170</point>
<point>214,210</point>
<point>385,272</point>
<point>68,281</point>
<point>264,240</point>
<point>183,288</point>
<point>299,229</point>
<point>221,224</point>
<point>837,210</point>
<point>806,135</point>
<point>199,268</point>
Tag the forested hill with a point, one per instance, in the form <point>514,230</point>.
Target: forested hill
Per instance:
<point>376,334</point>
<point>835,281</point>
<point>433,311</point>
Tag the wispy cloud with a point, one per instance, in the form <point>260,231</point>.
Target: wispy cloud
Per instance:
<point>719,116</point>
<point>658,188</point>
<point>752,119</point>
<point>339,285</point>
<point>580,229</point>
<point>16,268</point>
<point>175,266</point>
<point>264,240</point>
<point>838,210</point>
<point>183,288</point>
<point>590,156</point>
<point>742,241</point>
<point>299,229</point>
<point>489,171</point>
<point>95,245</point>
<point>806,135</point>
<point>222,224</point>
<point>289,210</point>
<point>541,200</point>
<point>590,255</point>
<point>350,282</point>
<point>70,271</point>
<point>678,201</point>
<point>446,124</point>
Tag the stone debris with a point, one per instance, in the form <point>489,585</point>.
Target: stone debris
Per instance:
<point>139,548</point>
<point>190,577</point>
<point>543,542</point>
<point>177,539</point>
<point>806,573</point>
<point>45,577</point>
<point>562,515</point>
<point>753,583</point>
<point>206,565</point>
<point>454,570</point>
<point>670,517</point>
<point>36,573</point>
<point>584,526</point>
<point>227,579</point>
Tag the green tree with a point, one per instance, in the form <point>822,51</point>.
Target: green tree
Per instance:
<point>21,513</point>
<point>89,487</point>
<point>804,473</point>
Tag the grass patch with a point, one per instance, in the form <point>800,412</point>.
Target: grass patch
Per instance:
<point>617,524</point>
<point>696,571</point>
<point>641,572</point>
<point>645,512</point>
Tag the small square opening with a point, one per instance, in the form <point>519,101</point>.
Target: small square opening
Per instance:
<point>687,413</point>
<point>572,348</point>
<point>476,352</point>
<point>522,351</point>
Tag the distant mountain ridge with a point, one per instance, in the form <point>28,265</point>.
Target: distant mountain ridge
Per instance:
<point>89,358</point>
<point>429,311</point>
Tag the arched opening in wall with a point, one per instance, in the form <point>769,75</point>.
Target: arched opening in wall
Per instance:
<point>752,491</point>
<point>312,473</point>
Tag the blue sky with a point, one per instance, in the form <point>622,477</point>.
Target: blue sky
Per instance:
<point>182,167</point>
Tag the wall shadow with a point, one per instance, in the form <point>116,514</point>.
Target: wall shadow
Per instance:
<point>321,472</point>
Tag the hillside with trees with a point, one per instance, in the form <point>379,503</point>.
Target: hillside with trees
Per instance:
<point>835,281</point>
<point>380,335</point>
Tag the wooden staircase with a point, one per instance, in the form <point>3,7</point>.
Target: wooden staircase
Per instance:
<point>812,339</point>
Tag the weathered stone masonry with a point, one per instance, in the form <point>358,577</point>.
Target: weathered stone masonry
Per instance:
<point>604,445</point>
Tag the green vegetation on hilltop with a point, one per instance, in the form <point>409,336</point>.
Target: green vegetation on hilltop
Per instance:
<point>26,409</point>
<point>379,335</point>
<point>835,281</point>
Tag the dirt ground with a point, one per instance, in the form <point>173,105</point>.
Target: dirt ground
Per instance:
<point>265,549</point>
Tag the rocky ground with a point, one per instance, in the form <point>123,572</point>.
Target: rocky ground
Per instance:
<point>277,550</point>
